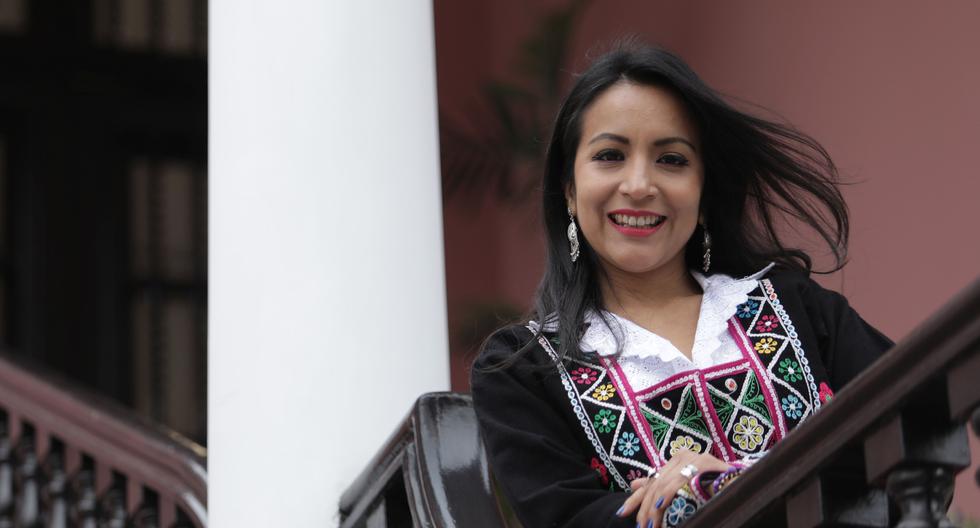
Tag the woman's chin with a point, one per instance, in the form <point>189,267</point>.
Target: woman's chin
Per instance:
<point>639,264</point>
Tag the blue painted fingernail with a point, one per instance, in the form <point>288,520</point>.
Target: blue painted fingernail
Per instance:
<point>620,510</point>
<point>638,525</point>
<point>650,523</point>
<point>660,502</point>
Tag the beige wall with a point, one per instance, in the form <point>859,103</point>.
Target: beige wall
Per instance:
<point>889,88</point>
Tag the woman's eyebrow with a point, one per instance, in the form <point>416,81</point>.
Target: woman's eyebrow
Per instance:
<point>608,135</point>
<point>658,143</point>
<point>674,139</point>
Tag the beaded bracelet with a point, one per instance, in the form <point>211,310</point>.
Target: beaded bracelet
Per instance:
<point>700,484</point>
<point>725,478</point>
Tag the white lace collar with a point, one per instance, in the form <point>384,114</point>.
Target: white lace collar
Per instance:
<point>722,295</point>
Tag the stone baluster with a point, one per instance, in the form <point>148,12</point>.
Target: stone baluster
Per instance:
<point>27,501</point>
<point>82,513</point>
<point>910,489</point>
<point>113,509</point>
<point>6,477</point>
<point>53,496</point>
<point>917,461</point>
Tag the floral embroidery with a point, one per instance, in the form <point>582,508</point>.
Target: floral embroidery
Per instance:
<point>584,376</point>
<point>690,415</point>
<point>753,397</point>
<point>792,407</point>
<point>731,385</point>
<point>604,392</point>
<point>665,403</point>
<point>825,393</point>
<point>629,444</point>
<point>767,323</point>
<point>635,474</point>
<point>766,345</point>
<point>724,407</point>
<point>790,370</point>
<point>679,510</point>
<point>748,433</point>
<point>604,421</point>
<point>658,427</point>
<point>747,309</point>
<point>601,470</point>
<point>684,442</point>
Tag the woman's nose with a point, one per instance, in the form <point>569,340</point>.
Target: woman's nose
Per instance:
<point>639,181</point>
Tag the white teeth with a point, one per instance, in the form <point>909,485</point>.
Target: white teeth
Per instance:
<point>637,221</point>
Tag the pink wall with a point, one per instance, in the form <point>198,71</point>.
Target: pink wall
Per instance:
<point>889,88</point>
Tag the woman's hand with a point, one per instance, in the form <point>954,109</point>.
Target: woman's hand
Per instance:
<point>651,496</point>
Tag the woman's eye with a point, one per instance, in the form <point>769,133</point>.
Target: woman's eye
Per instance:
<point>608,155</point>
<point>673,159</point>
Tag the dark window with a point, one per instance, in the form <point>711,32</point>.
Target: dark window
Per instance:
<point>168,268</point>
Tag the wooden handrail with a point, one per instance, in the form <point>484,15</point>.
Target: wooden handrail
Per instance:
<point>937,362</point>
<point>897,426</point>
<point>134,467</point>
<point>431,472</point>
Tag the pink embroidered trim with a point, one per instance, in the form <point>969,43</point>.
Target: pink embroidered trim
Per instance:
<point>666,385</point>
<point>698,381</point>
<point>731,367</point>
<point>695,379</point>
<point>629,401</point>
<point>701,390</point>
<point>724,449</point>
<point>768,392</point>
<point>671,383</point>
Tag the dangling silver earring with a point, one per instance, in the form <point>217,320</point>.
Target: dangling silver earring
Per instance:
<point>706,243</point>
<point>572,236</point>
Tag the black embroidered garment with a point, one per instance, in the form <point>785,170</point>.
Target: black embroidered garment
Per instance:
<point>565,440</point>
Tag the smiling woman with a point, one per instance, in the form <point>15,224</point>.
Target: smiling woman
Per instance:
<point>638,179</point>
<point>675,338</point>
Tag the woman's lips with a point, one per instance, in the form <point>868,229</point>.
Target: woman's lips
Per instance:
<point>637,231</point>
<point>629,216</point>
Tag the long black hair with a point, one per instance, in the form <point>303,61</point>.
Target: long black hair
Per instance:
<point>757,173</point>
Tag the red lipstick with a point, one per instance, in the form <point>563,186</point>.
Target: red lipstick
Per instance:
<point>647,229</point>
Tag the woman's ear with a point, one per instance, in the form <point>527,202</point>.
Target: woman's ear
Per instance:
<point>570,199</point>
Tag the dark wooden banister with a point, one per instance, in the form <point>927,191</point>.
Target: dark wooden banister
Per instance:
<point>831,471</point>
<point>117,442</point>
<point>942,353</point>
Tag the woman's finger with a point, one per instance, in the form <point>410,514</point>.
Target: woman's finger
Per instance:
<point>665,495</point>
<point>650,494</point>
<point>633,502</point>
<point>670,481</point>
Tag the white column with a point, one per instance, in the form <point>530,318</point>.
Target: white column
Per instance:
<point>326,287</point>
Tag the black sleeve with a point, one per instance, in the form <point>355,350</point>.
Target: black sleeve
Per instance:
<point>848,344</point>
<point>535,453</point>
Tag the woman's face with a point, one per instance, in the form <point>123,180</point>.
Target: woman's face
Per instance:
<point>638,178</point>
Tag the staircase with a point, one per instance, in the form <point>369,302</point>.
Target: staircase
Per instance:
<point>71,459</point>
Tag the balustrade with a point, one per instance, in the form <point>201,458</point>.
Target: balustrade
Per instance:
<point>70,459</point>
<point>883,452</point>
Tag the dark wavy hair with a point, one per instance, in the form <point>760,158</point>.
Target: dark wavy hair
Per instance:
<point>758,173</point>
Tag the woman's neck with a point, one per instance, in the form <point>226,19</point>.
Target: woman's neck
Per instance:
<point>638,295</point>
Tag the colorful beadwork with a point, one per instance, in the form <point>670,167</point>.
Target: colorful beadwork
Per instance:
<point>733,411</point>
